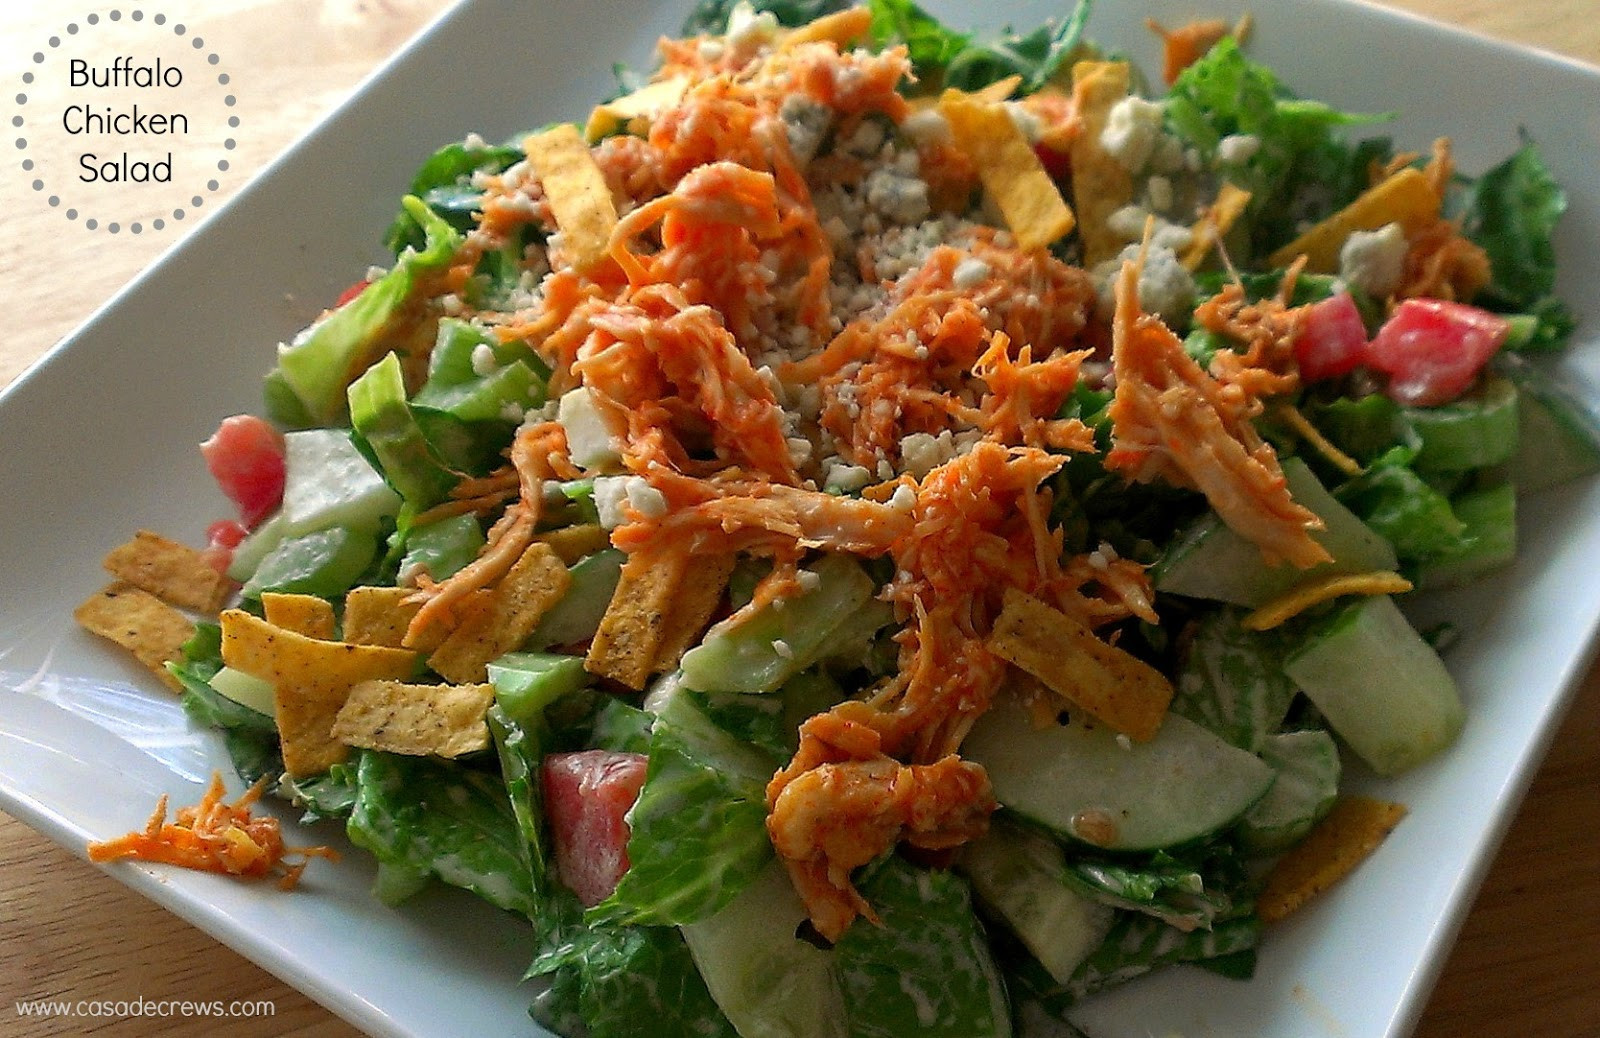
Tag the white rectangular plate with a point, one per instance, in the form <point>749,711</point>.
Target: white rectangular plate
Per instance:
<point>99,440</point>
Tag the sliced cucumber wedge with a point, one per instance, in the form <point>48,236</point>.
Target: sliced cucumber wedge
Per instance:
<point>1017,873</point>
<point>1209,560</point>
<point>1383,690</point>
<point>1079,780</point>
<point>767,982</point>
<point>1559,438</point>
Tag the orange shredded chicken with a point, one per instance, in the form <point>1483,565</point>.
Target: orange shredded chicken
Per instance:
<point>215,836</point>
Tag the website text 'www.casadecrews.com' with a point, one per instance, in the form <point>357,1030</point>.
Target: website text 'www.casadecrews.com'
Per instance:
<point>121,1008</point>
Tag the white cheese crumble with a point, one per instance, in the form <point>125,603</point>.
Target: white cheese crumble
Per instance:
<point>1374,261</point>
<point>969,273</point>
<point>483,360</point>
<point>805,123</point>
<point>899,198</point>
<point>782,648</point>
<point>846,478</point>
<point>1131,130</point>
<point>649,502</point>
<point>749,31</point>
<point>1166,287</point>
<point>928,126</point>
<point>921,453</point>
<point>609,494</point>
<point>904,498</point>
<point>588,438</point>
<point>1238,147</point>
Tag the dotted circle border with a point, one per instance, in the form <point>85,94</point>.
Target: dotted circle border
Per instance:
<point>19,121</point>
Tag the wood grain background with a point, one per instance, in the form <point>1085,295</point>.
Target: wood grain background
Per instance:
<point>1528,959</point>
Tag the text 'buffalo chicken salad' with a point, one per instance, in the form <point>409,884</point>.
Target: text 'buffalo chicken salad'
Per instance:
<point>875,529</point>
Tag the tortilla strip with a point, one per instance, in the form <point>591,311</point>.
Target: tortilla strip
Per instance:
<point>584,211</point>
<point>151,630</point>
<point>692,608</point>
<point>535,582</point>
<point>1351,831</point>
<point>1407,198</point>
<point>302,614</point>
<point>1115,687</point>
<point>1010,171</point>
<point>841,28</point>
<point>175,573</point>
<point>311,679</point>
<point>634,628</point>
<point>572,543</point>
<point>1214,223</point>
<point>1323,589</point>
<point>1100,184</point>
<point>635,111</point>
<point>416,720</point>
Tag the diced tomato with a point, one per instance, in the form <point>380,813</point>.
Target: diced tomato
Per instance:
<point>586,796</point>
<point>245,456</point>
<point>222,537</point>
<point>1432,350</point>
<point>1332,340</point>
<point>351,292</point>
<point>1056,163</point>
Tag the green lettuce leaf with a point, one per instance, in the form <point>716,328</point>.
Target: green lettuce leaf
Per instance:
<point>444,184</point>
<point>1300,172</point>
<point>928,969</point>
<point>330,354</point>
<point>1404,509</point>
<point>1232,681</point>
<point>941,56</point>
<point>422,819</point>
<point>699,832</point>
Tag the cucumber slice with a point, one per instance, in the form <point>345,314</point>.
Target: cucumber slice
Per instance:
<point>1208,560</point>
<point>527,682</point>
<point>245,689</point>
<point>1477,430</point>
<point>1383,690</point>
<point>1079,780</point>
<point>248,555</point>
<point>1307,763</point>
<point>1559,438</point>
<point>577,615</point>
<point>768,982</point>
<point>329,483</point>
<point>1018,875</point>
<point>783,639</point>
<point>1490,516</point>
<point>326,563</point>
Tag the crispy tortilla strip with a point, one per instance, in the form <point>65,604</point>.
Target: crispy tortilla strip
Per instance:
<point>1010,171</point>
<point>634,628</point>
<point>579,198</point>
<point>636,111</point>
<point>416,720</point>
<point>1351,831</point>
<point>1115,687</point>
<point>175,573</point>
<point>572,543</point>
<point>378,616</point>
<point>302,614</point>
<point>311,679</point>
<point>1100,184</point>
<point>381,615</point>
<point>1303,596</point>
<point>1406,197</point>
<point>1215,223</point>
<point>692,608</point>
<point>841,27</point>
<point>139,622</point>
<point>535,582</point>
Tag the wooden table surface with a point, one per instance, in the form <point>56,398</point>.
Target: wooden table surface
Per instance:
<point>1528,958</point>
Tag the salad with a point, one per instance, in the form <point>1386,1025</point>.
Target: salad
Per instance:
<point>880,530</point>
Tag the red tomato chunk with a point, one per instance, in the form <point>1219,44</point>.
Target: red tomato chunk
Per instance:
<point>586,798</point>
<point>245,456</point>
<point>1432,350</point>
<point>1332,340</point>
